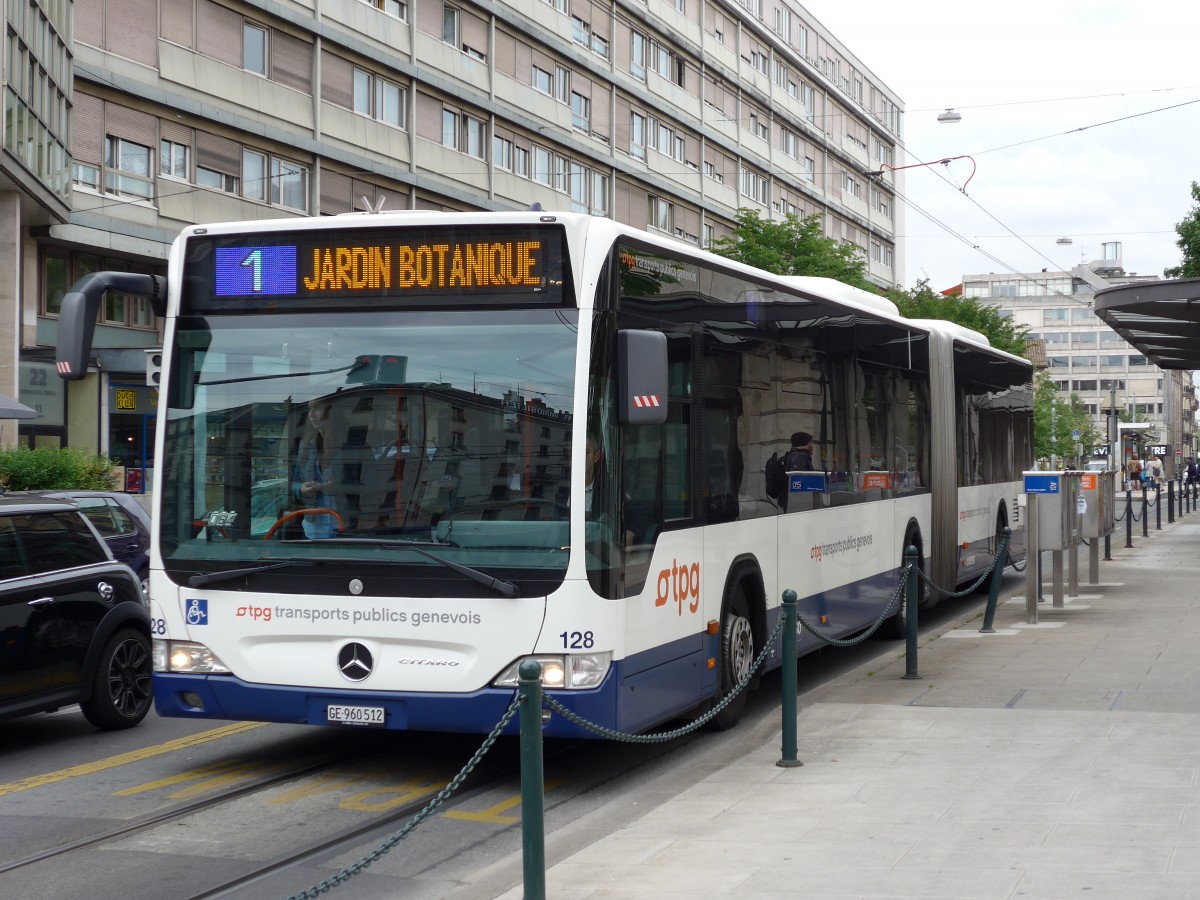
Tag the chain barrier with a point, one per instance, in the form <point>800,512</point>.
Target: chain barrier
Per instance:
<point>953,595</point>
<point>663,736</point>
<point>441,797</point>
<point>893,605</point>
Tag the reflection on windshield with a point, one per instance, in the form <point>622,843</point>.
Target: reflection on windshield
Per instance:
<point>453,428</point>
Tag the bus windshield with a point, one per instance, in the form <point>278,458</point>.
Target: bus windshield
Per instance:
<point>424,446</point>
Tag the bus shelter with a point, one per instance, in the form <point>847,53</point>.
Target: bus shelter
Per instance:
<point>1161,319</point>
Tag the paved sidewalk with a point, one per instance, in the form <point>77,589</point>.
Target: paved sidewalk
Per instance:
<point>1054,761</point>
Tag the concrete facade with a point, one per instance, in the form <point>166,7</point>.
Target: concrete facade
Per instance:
<point>1086,357</point>
<point>670,116</point>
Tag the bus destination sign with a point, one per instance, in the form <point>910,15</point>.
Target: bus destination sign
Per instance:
<point>520,264</point>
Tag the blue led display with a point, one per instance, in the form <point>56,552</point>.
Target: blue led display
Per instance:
<point>246,271</point>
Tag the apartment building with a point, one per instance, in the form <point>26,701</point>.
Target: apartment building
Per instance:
<point>1086,357</point>
<point>670,115</point>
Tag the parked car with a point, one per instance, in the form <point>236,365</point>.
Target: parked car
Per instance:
<point>74,624</point>
<point>121,520</point>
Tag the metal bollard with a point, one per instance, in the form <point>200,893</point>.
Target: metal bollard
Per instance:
<point>1158,508</point>
<point>1129,518</point>
<point>533,825</point>
<point>787,688</point>
<point>1145,518</point>
<point>997,573</point>
<point>1170,501</point>
<point>910,613</point>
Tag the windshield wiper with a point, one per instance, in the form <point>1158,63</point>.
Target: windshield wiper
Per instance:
<point>230,574</point>
<point>506,588</point>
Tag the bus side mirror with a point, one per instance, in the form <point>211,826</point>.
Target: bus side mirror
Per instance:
<point>77,314</point>
<point>642,361</point>
<point>76,326</point>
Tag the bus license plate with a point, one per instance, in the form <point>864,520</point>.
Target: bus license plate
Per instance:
<point>355,715</point>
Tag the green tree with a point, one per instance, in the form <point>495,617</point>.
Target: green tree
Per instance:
<point>1188,229</point>
<point>1055,420</point>
<point>921,302</point>
<point>793,246</point>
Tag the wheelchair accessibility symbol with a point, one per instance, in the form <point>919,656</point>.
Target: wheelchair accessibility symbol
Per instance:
<point>197,612</point>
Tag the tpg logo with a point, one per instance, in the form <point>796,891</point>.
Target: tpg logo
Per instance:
<point>679,583</point>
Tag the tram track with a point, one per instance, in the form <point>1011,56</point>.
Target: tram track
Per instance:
<point>154,820</point>
<point>490,774</point>
<point>375,830</point>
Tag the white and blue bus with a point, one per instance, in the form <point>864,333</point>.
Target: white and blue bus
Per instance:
<point>399,453</point>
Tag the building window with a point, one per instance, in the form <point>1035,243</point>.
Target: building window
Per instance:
<point>808,98</point>
<point>60,269</point>
<point>851,185</point>
<point>562,84</point>
<point>173,159</point>
<point>520,161</point>
<point>637,136</point>
<point>759,127</point>
<point>127,169</point>
<point>541,80</point>
<point>379,98</point>
<point>502,153</point>
<point>254,48</point>
<point>85,176</point>
<point>254,175</point>
<point>219,180</point>
<point>391,7</point>
<point>1058,314</point>
<point>450,26</point>
<point>754,186</point>
<point>637,57</point>
<point>289,184</point>
<point>581,112</point>
<point>450,129</point>
<point>476,136</point>
<point>541,165</point>
<point>712,172</point>
<point>662,215</point>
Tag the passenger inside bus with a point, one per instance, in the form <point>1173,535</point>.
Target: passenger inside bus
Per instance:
<point>312,481</point>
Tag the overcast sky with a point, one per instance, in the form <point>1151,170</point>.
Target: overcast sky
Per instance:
<point>1027,73</point>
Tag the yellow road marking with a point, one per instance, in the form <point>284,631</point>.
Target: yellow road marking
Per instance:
<point>492,815</point>
<point>124,759</point>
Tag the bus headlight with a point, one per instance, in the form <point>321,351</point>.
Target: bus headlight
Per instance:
<point>575,671</point>
<point>186,657</point>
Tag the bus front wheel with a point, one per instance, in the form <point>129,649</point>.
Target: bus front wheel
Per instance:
<point>736,654</point>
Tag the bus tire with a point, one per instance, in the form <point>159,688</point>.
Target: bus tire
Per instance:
<point>736,653</point>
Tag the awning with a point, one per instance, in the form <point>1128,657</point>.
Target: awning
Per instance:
<point>1160,318</point>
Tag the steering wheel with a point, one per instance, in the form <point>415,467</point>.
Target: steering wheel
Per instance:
<point>297,513</point>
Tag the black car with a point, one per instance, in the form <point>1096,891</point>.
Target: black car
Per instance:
<point>121,520</point>
<point>74,627</point>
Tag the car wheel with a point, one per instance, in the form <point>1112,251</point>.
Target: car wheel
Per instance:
<point>121,690</point>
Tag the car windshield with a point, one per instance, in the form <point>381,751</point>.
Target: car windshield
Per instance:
<point>347,437</point>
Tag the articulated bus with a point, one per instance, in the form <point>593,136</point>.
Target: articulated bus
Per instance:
<point>399,453</point>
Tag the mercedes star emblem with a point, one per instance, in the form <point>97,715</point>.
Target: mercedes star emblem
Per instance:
<point>355,662</point>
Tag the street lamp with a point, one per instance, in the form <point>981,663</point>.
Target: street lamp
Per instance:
<point>949,117</point>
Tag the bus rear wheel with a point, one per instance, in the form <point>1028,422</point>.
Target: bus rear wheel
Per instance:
<point>736,655</point>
